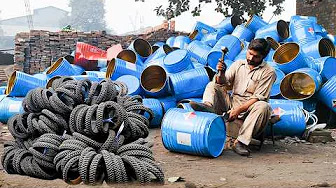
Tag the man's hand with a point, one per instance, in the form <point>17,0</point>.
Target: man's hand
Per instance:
<point>221,66</point>
<point>233,114</point>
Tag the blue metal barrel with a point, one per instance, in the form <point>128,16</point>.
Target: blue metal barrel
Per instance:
<point>9,106</point>
<point>201,29</point>
<point>327,93</point>
<point>187,100</point>
<point>319,30</point>
<point>254,23</point>
<point>278,30</point>
<point>181,42</point>
<point>233,44</point>
<point>60,68</point>
<point>243,33</point>
<point>300,84</point>
<point>319,48</point>
<point>211,39</point>
<point>276,85</point>
<point>168,103</point>
<point>332,38</point>
<point>157,45</point>
<point>275,102</point>
<point>302,31</point>
<point>130,56</point>
<point>141,47</point>
<point>82,77</point>
<point>160,52</point>
<point>199,51</point>
<point>196,64</point>
<point>185,106</point>
<point>41,76</point>
<point>157,61</point>
<point>156,107</point>
<point>97,74</point>
<point>103,69</point>
<point>154,81</point>
<point>3,90</point>
<point>189,83</point>
<point>242,54</point>
<point>78,69</point>
<point>289,57</point>
<point>272,64</point>
<point>133,84</point>
<point>118,67</point>
<point>295,18</point>
<point>289,39</point>
<point>310,104</point>
<point>270,55</point>
<point>170,41</point>
<point>177,61</point>
<point>20,84</point>
<point>292,120</point>
<point>326,67</point>
<point>197,133</point>
<point>229,23</point>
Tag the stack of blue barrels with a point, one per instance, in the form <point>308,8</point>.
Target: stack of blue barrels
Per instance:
<point>168,74</point>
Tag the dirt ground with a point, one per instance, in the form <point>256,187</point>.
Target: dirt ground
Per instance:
<point>283,165</point>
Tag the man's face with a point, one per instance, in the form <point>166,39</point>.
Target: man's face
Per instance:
<point>253,57</point>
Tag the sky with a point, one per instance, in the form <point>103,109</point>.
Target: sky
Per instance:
<point>127,15</point>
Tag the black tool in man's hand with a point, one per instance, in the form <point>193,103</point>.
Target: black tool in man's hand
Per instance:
<point>224,51</point>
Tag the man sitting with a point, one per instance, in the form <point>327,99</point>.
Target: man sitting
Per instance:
<point>251,81</point>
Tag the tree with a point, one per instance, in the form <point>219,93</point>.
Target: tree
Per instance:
<point>226,7</point>
<point>86,15</point>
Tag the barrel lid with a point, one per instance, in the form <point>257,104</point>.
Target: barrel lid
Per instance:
<point>132,82</point>
<point>175,57</point>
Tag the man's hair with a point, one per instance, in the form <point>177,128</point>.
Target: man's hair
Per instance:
<point>260,45</point>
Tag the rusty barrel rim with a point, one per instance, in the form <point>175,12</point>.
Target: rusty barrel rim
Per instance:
<point>291,49</point>
<point>193,34</point>
<point>142,47</point>
<point>127,55</point>
<point>274,44</point>
<point>110,68</point>
<point>153,79</point>
<point>298,85</point>
<point>11,83</point>
<point>55,65</point>
<point>326,48</point>
<point>51,80</point>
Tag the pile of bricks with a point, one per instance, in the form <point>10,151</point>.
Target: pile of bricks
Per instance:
<point>37,50</point>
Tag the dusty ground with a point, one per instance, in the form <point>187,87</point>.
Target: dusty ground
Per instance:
<point>282,165</point>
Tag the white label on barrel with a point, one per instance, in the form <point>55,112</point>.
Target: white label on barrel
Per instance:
<point>131,66</point>
<point>183,138</point>
<point>14,107</point>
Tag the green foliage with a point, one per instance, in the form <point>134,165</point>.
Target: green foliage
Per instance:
<point>225,7</point>
<point>86,15</point>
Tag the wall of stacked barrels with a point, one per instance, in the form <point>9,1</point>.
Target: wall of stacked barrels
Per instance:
<point>36,50</point>
<point>169,73</point>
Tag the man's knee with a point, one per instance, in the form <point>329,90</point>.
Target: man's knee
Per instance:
<point>261,106</point>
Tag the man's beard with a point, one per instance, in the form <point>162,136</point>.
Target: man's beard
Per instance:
<point>253,63</point>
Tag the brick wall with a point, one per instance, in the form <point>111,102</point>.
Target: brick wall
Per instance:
<point>36,50</point>
<point>324,10</point>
